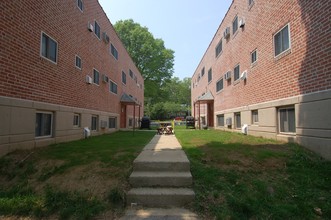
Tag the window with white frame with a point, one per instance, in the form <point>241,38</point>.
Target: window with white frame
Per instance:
<point>130,122</point>
<point>236,72</point>
<point>76,121</point>
<point>210,75</point>
<point>287,120</point>
<point>235,25</point>
<point>97,29</point>
<point>44,124</point>
<point>96,76</point>
<point>282,41</point>
<point>254,56</point>
<point>112,122</point>
<point>94,123</point>
<point>219,85</point>
<point>78,62</point>
<point>250,2</point>
<point>218,48</point>
<point>80,4</point>
<point>48,48</point>
<point>114,51</point>
<point>237,119</point>
<point>123,77</point>
<point>220,120</point>
<point>255,116</point>
<point>112,87</point>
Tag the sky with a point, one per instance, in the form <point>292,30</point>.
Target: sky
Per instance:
<point>186,26</point>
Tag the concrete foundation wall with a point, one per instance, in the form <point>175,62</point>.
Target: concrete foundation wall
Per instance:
<point>313,124</point>
<point>18,119</point>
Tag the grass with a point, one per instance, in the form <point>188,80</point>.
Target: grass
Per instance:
<point>76,180</point>
<point>245,177</point>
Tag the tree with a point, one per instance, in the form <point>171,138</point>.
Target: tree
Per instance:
<point>153,60</point>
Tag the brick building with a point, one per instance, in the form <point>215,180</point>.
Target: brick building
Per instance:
<point>63,69</point>
<point>269,67</point>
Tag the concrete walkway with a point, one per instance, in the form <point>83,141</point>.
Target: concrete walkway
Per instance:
<point>161,182</point>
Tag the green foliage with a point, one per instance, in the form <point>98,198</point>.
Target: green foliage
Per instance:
<point>153,60</point>
<point>246,177</point>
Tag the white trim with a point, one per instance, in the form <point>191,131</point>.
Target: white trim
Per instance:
<point>41,50</point>
<point>289,41</point>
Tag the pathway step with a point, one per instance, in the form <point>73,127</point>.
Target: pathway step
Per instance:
<point>158,214</point>
<point>163,160</point>
<point>163,179</point>
<point>160,197</point>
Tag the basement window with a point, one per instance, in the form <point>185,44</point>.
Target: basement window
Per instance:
<point>220,120</point>
<point>76,121</point>
<point>112,122</point>
<point>286,121</point>
<point>94,123</point>
<point>44,124</point>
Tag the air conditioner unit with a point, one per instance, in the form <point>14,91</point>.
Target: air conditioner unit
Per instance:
<point>105,37</point>
<point>90,27</point>
<point>227,75</point>
<point>89,80</point>
<point>242,22</point>
<point>243,75</point>
<point>226,33</point>
<point>228,121</point>
<point>105,78</point>
<point>103,124</point>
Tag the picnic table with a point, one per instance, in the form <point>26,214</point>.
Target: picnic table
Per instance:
<point>165,128</point>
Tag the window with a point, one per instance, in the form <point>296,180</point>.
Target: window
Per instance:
<point>95,77</point>
<point>254,56</point>
<point>287,120</point>
<point>131,73</point>
<point>80,4</point>
<point>219,85</point>
<point>210,75</point>
<point>220,120</point>
<point>218,48</point>
<point>202,72</point>
<point>112,122</point>
<point>236,72</point>
<point>112,87</point>
<point>113,51</point>
<point>255,116</point>
<point>237,119</point>
<point>282,40</point>
<point>94,123</point>
<point>48,48</point>
<point>78,62</point>
<point>235,25</point>
<point>76,122</point>
<point>123,77</point>
<point>130,122</point>
<point>250,2</point>
<point>44,122</point>
<point>97,29</point>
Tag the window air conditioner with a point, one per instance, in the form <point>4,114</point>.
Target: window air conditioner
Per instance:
<point>103,124</point>
<point>88,80</point>
<point>243,75</point>
<point>105,78</point>
<point>90,27</point>
<point>242,22</point>
<point>227,75</point>
<point>228,121</point>
<point>226,33</point>
<point>105,37</point>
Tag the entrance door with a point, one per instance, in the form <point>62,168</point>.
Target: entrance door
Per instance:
<point>123,116</point>
<point>210,107</point>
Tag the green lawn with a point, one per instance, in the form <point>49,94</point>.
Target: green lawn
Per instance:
<point>80,180</point>
<point>245,177</point>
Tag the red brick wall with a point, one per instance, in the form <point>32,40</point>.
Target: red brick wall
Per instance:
<point>26,75</point>
<point>304,69</point>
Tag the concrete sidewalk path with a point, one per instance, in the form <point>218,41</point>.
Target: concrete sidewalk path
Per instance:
<point>161,182</point>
